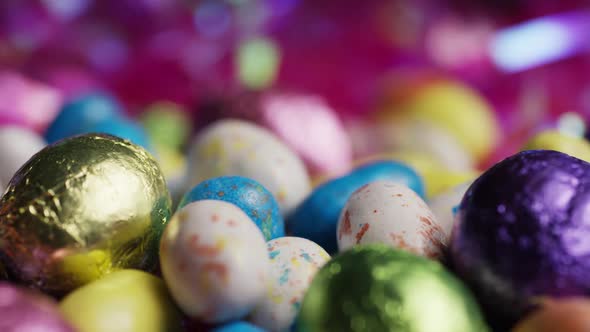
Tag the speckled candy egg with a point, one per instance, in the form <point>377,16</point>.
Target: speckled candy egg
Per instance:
<point>317,217</point>
<point>214,260</point>
<point>389,213</point>
<point>287,114</point>
<point>247,194</point>
<point>17,145</point>
<point>445,205</point>
<point>235,147</point>
<point>523,232</point>
<point>26,311</point>
<point>294,262</point>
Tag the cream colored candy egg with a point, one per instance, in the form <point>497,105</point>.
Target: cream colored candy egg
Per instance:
<point>294,263</point>
<point>443,205</point>
<point>17,146</point>
<point>390,213</point>
<point>214,261</point>
<point>236,147</point>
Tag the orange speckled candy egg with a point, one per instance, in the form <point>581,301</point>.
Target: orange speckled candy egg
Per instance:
<point>392,214</point>
<point>214,260</point>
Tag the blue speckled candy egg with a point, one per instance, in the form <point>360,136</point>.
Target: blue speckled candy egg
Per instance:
<point>249,195</point>
<point>316,218</point>
<point>78,115</point>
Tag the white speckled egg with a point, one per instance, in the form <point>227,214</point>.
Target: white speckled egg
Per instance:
<point>214,260</point>
<point>442,206</point>
<point>390,213</point>
<point>235,147</point>
<point>17,146</point>
<point>294,262</point>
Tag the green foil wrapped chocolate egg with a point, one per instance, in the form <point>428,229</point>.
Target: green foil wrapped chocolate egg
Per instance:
<point>79,209</point>
<point>377,288</point>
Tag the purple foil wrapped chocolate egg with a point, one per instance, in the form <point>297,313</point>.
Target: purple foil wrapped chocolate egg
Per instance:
<point>523,232</point>
<point>24,310</point>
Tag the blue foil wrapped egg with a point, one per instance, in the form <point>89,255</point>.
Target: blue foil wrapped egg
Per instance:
<point>79,115</point>
<point>249,195</point>
<point>316,218</point>
<point>523,233</point>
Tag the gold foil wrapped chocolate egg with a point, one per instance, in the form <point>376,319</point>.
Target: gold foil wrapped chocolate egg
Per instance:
<point>79,209</point>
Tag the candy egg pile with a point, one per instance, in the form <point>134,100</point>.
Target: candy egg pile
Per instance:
<point>291,166</point>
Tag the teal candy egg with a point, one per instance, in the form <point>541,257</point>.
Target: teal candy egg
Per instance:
<point>247,194</point>
<point>123,128</point>
<point>79,115</point>
<point>237,326</point>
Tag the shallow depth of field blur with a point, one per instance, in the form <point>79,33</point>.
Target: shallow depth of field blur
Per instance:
<point>434,91</point>
<point>527,58</point>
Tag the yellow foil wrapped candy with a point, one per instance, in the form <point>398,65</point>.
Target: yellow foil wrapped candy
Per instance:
<point>79,209</point>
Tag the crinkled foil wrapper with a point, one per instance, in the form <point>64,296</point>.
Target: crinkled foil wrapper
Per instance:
<point>377,288</point>
<point>80,209</point>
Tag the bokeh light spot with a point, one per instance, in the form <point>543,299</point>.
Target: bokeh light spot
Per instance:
<point>257,63</point>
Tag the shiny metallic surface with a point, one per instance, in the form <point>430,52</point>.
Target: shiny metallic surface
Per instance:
<point>376,288</point>
<point>79,209</point>
<point>523,232</point>
<point>24,310</point>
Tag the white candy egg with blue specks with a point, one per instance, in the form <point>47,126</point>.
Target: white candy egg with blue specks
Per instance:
<point>294,263</point>
<point>214,260</point>
<point>444,204</point>
<point>392,214</point>
<point>236,147</point>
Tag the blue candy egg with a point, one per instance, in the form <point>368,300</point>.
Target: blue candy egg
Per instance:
<point>316,218</point>
<point>237,327</point>
<point>250,196</point>
<point>123,128</point>
<point>390,170</point>
<point>78,115</point>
